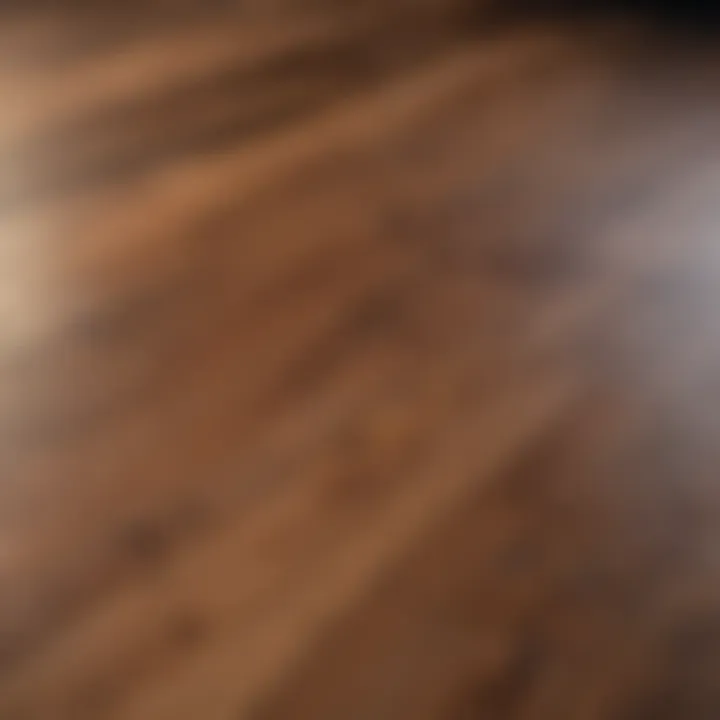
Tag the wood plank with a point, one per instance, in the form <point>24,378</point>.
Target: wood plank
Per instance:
<point>354,365</point>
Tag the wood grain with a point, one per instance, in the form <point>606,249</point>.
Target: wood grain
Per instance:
<point>356,363</point>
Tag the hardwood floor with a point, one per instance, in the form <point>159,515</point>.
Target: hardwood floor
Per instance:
<point>356,364</point>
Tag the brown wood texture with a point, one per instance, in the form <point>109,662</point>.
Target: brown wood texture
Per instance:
<point>356,366</point>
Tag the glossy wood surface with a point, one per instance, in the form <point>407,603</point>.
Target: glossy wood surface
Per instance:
<point>356,363</point>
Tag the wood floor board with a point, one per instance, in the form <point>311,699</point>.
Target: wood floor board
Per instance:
<point>357,362</point>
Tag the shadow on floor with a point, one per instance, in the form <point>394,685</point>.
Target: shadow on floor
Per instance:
<point>689,19</point>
